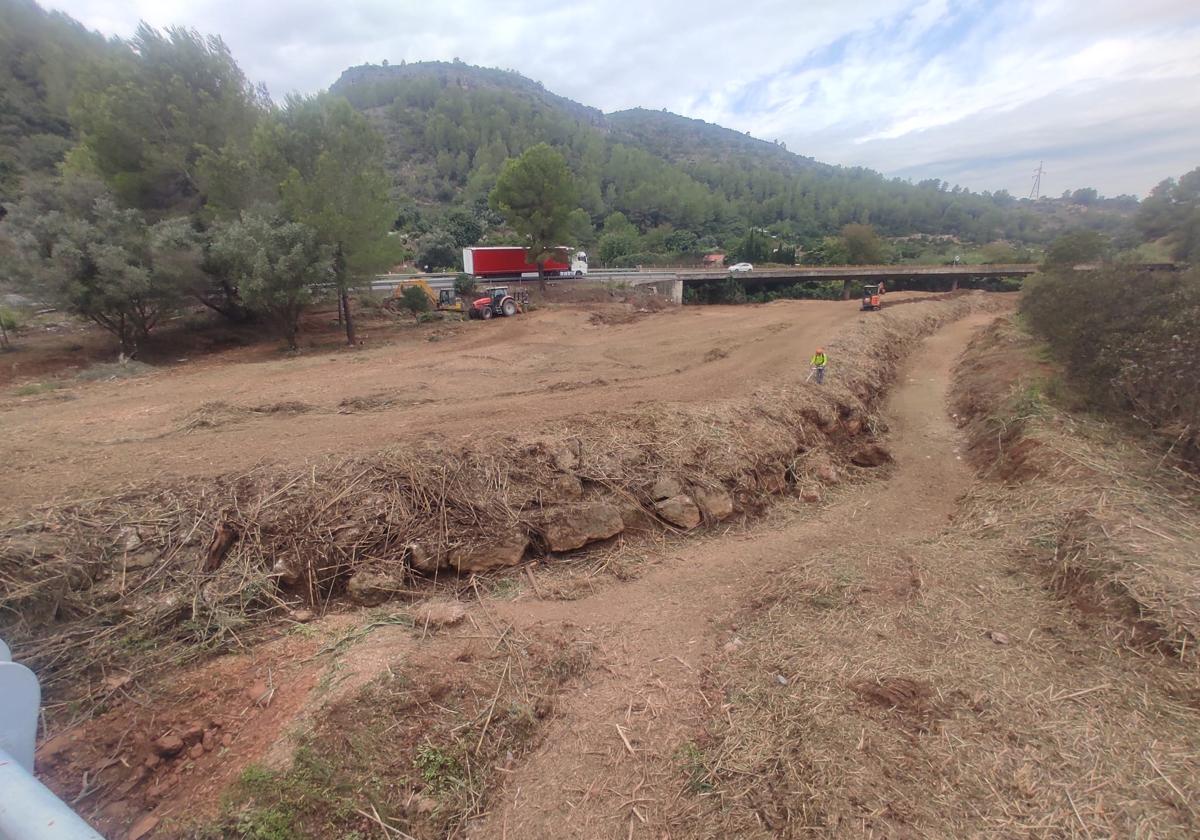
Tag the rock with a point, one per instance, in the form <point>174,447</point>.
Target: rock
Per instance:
<point>287,570</point>
<point>853,426</point>
<point>142,827</point>
<point>143,559</point>
<point>715,504</point>
<point>209,740</point>
<point>303,616</point>
<point>563,454</point>
<point>573,527</point>
<point>564,488</point>
<point>193,734</point>
<point>153,760</point>
<point>781,679</point>
<point>371,587</point>
<point>811,493</point>
<point>827,473</point>
<point>998,637</point>
<point>680,511</point>
<point>422,559</point>
<point>772,480</point>
<point>665,488</point>
<point>506,550</point>
<point>197,751</point>
<point>227,739</point>
<point>169,745</point>
<point>129,539</point>
<point>871,455</point>
<point>438,613</point>
<point>634,517</point>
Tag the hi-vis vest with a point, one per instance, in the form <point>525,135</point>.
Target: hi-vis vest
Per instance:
<point>819,360</point>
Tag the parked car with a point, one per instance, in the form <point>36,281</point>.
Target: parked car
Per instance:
<point>740,268</point>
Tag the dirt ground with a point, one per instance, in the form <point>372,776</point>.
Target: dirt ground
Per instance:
<point>231,411</point>
<point>882,663</point>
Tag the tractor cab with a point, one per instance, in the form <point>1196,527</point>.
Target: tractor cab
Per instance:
<point>871,300</point>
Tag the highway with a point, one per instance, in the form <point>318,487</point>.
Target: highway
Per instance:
<point>674,279</point>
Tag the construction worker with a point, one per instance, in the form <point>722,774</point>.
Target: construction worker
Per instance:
<point>819,361</point>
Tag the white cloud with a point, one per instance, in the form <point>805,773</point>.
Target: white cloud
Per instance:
<point>966,90</point>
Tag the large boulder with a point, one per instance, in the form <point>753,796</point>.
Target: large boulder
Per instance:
<point>714,503</point>
<point>680,511</point>
<point>504,550</point>
<point>573,527</point>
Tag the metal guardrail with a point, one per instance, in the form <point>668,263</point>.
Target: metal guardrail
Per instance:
<point>28,809</point>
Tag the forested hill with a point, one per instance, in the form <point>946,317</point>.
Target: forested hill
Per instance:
<point>450,126</point>
<point>683,140</point>
<point>42,57</point>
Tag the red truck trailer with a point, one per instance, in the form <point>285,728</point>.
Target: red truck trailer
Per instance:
<point>512,261</point>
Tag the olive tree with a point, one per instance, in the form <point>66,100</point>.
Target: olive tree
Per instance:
<point>79,251</point>
<point>277,265</point>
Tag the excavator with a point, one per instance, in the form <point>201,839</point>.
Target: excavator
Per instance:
<point>443,300</point>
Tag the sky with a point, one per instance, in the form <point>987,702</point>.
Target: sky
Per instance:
<point>1104,93</point>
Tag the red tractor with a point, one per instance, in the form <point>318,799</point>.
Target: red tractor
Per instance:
<point>496,302</point>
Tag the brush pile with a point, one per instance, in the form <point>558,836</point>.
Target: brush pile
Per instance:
<point>97,594</point>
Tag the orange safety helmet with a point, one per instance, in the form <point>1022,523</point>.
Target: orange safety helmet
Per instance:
<point>820,349</point>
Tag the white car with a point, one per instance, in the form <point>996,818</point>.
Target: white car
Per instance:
<point>740,268</point>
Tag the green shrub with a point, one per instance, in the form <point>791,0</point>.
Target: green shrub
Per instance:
<point>1129,340</point>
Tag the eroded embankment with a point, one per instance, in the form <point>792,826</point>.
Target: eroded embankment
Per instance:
<point>129,583</point>
<point>1104,514</point>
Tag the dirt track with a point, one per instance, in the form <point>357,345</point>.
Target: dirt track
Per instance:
<point>658,635</point>
<point>457,382</point>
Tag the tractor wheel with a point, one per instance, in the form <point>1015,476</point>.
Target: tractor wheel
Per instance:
<point>485,313</point>
<point>509,308</point>
<point>578,273</point>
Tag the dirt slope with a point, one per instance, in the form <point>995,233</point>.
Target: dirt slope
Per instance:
<point>456,382</point>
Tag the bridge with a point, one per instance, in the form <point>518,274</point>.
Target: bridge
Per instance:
<point>672,282</point>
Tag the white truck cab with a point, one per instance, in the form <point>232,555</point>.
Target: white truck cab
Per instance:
<point>579,264</point>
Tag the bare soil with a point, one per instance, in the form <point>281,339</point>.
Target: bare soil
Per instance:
<point>883,658</point>
<point>454,382</point>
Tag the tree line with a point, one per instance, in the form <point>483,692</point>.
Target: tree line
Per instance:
<point>186,182</point>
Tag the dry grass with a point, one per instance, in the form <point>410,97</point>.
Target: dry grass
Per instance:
<point>418,750</point>
<point>1107,515</point>
<point>956,694</point>
<point>976,708</point>
<point>139,580</point>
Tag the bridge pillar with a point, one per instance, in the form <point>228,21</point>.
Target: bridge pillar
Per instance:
<point>677,292</point>
<point>846,288</point>
<point>954,285</point>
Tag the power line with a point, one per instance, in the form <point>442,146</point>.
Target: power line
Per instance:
<point>1036,192</point>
